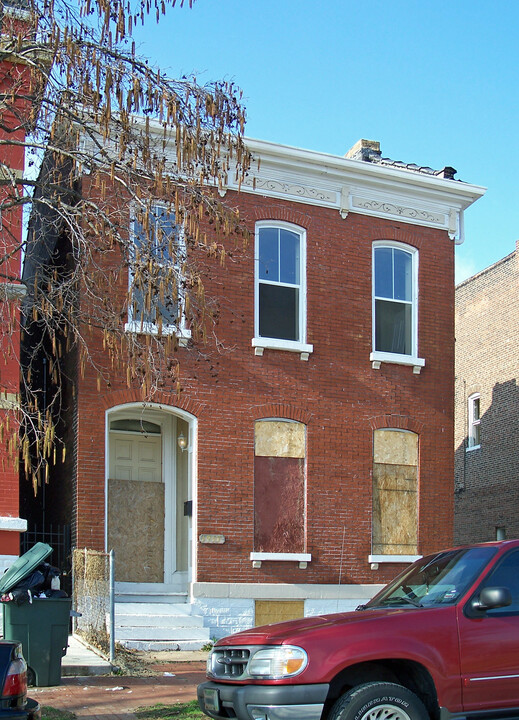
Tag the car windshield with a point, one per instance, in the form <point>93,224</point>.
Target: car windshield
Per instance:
<point>439,579</point>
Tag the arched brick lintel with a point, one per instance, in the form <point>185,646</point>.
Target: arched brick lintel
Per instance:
<point>285,214</point>
<point>124,397</point>
<point>281,410</point>
<point>399,422</point>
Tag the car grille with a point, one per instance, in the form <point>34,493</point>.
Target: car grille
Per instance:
<point>229,662</point>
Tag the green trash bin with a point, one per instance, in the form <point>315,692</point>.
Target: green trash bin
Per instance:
<point>42,627</point>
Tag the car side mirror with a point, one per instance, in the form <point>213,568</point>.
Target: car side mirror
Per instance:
<point>491,598</point>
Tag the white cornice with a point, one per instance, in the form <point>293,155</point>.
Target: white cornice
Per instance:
<point>357,186</point>
<point>347,185</point>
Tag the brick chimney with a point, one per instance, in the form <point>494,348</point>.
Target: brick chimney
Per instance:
<point>367,150</point>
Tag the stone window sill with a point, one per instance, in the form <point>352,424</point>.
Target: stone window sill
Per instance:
<point>302,558</point>
<point>261,344</point>
<point>377,358</point>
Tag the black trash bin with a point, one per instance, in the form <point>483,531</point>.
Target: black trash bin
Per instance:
<point>42,626</point>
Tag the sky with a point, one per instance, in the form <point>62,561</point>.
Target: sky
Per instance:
<point>435,82</point>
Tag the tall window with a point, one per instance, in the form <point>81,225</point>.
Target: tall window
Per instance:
<point>395,299</point>
<point>279,486</point>
<point>157,255</point>
<point>474,421</point>
<point>280,282</point>
<point>395,492</point>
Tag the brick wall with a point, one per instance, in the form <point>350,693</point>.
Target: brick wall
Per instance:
<point>487,342</point>
<point>336,393</point>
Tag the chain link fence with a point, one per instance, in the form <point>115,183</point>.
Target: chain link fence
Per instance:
<point>93,592</point>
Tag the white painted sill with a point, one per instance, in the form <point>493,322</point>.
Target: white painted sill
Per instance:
<point>302,558</point>
<point>150,329</point>
<point>377,358</point>
<point>14,524</point>
<point>261,344</point>
<point>473,447</point>
<point>393,558</point>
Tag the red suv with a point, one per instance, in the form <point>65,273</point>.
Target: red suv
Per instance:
<point>440,641</point>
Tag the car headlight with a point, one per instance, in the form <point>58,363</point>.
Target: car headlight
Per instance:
<point>276,662</point>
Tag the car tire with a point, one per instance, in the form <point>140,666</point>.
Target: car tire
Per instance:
<point>379,701</point>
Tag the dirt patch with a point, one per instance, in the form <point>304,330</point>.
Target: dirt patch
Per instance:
<point>140,663</point>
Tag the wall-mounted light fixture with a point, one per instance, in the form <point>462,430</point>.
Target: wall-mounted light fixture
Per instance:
<point>182,442</point>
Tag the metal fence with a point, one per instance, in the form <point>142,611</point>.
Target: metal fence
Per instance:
<point>58,537</point>
<point>93,592</point>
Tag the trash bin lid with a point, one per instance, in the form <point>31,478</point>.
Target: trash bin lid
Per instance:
<point>24,566</point>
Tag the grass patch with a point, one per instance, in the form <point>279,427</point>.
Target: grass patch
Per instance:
<point>50,713</point>
<point>178,711</point>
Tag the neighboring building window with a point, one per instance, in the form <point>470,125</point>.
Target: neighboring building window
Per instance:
<point>500,532</point>
<point>395,299</point>
<point>279,486</point>
<point>395,486</point>
<point>158,252</point>
<point>474,422</point>
<point>280,314</point>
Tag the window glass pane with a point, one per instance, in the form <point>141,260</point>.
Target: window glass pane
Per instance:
<point>154,293</point>
<point>393,327</point>
<point>289,257</point>
<point>278,312</point>
<point>476,435</point>
<point>144,426</point>
<point>475,409</point>
<point>403,275</point>
<point>384,272</point>
<point>506,574</point>
<point>269,254</point>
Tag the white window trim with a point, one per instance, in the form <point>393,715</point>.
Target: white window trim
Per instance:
<point>472,422</point>
<point>377,357</point>
<point>261,343</point>
<point>146,328</point>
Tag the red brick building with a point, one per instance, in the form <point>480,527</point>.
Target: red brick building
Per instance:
<point>15,78</point>
<point>310,455</point>
<point>487,404</point>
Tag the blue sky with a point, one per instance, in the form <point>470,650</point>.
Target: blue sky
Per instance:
<point>435,82</point>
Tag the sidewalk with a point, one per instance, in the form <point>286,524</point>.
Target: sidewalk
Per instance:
<point>113,697</point>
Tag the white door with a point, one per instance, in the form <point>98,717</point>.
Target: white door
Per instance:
<point>136,507</point>
<point>148,489</point>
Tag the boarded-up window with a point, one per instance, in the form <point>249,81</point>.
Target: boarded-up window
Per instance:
<point>273,611</point>
<point>279,486</point>
<point>395,473</point>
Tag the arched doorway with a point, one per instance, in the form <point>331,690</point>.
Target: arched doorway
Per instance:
<point>148,497</point>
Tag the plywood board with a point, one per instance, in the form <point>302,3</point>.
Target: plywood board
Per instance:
<point>136,530</point>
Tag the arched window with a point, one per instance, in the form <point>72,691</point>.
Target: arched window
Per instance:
<point>395,492</point>
<point>280,287</point>
<point>395,303</point>
<point>279,486</point>
<point>474,422</point>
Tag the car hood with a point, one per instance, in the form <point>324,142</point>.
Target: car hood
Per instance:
<point>288,632</point>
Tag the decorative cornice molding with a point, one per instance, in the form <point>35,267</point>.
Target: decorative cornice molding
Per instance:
<point>296,190</point>
<point>401,211</point>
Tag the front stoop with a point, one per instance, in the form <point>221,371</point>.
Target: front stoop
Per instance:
<point>156,625</point>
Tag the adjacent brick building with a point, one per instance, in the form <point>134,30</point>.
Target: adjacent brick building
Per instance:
<point>15,79</point>
<point>310,455</point>
<point>487,404</point>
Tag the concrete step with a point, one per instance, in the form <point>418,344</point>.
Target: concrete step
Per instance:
<point>161,633</point>
<point>152,608</point>
<point>156,646</point>
<point>158,621</point>
<point>150,597</point>
<point>159,626</point>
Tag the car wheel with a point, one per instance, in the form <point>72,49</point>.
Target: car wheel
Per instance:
<point>379,701</point>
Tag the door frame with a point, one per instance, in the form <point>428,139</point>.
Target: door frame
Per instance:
<point>165,416</point>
